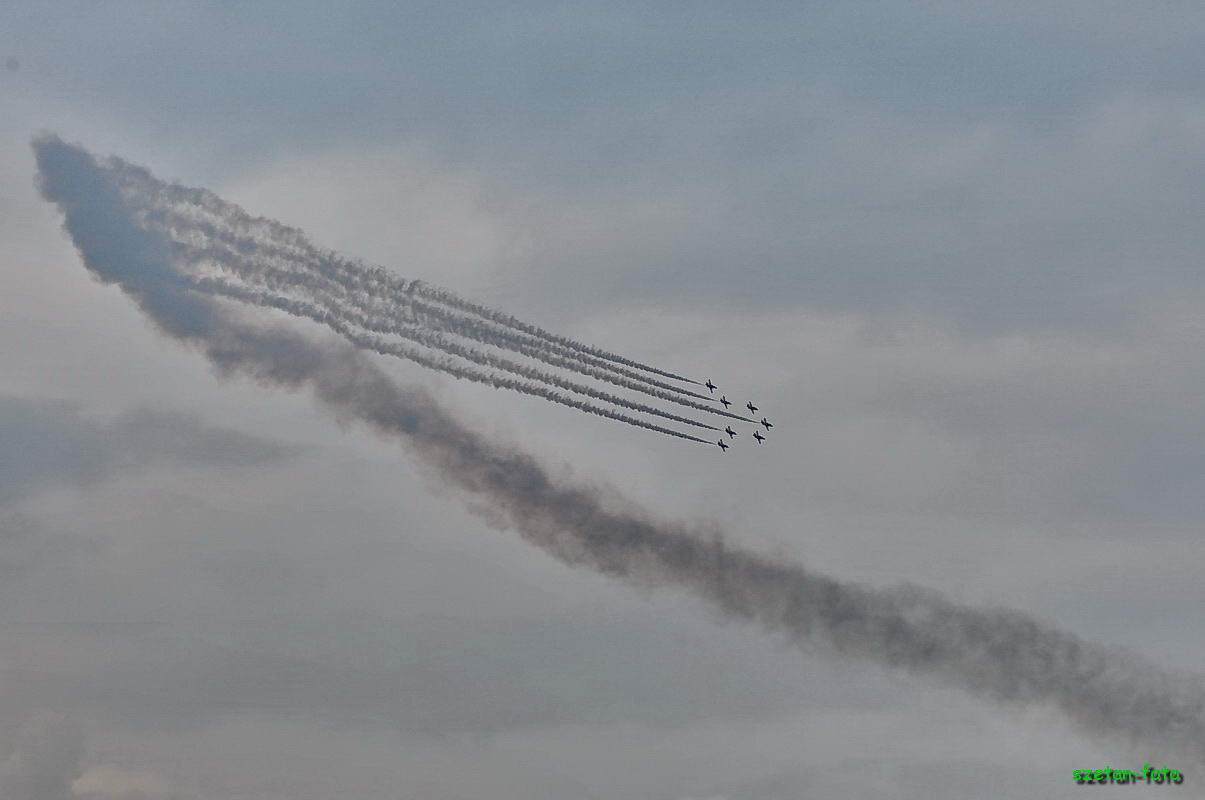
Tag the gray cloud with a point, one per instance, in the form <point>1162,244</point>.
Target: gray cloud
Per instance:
<point>998,654</point>
<point>961,159</point>
<point>49,443</point>
<point>952,247</point>
<point>41,759</point>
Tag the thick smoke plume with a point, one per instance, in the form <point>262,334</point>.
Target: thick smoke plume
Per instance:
<point>996,654</point>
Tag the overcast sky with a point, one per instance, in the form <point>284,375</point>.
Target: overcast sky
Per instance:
<point>953,249</point>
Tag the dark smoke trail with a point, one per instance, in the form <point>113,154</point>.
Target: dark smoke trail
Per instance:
<point>346,322</point>
<point>996,654</point>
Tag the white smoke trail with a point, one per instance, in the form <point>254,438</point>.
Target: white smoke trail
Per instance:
<point>1000,655</point>
<point>460,304</point>
<point>375,280</point>
<point>255,258</point>
<point>345,324</point>
<point>282,280</point>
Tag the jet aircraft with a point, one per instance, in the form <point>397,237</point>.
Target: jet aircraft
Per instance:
<point>757,435</point>
<point>752,408</point>
<point>725,401</point>
<point>710,385</point>
<point>767,423</point>
<point>731,433</point>
<point>722,445</point>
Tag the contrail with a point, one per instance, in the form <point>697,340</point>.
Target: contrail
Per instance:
<point>369,277</point>
<point>346,322</point>
<point>999,655</point>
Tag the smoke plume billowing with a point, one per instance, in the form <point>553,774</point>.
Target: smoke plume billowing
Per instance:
<point>999,655</point>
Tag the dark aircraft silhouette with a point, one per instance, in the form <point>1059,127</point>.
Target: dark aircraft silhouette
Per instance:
<point>767,423</point>
<point>757,435</point>
<point>725,401</point>
<point>731,433</point>
<point>710,385</point>
<point>722,445</point>
<point>752,408</point>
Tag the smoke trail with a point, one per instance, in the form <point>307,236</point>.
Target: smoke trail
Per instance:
<point>344,323</point>
<point>460,304</point>
<point>378,345</point>
<point>245,264</point>
<point>328,273</point>
<point>372,279</point>
<point>996,654</point>
<point>250,258</point>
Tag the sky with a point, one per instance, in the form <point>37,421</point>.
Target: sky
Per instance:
<point>951,248</point>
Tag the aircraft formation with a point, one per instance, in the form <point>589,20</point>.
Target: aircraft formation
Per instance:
<point>757,435</point>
